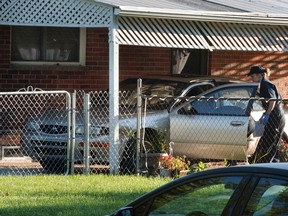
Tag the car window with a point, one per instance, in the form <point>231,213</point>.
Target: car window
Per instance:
<point>196,90</point>
<point>270,197</point>
<point>192,91</point>
<point>208,196</point>
<point>154,88</point>
<point>257,105</point>
<point>227,101</point>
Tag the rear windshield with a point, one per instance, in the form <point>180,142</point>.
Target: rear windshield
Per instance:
<point>155,87</point>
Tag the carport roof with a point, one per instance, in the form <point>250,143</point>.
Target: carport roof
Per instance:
<point>189,34</point>
<point>194,24</point>
<point>198,24</point>
<point>257,6</point>
<point>98,13</point>
<point>171,4</point>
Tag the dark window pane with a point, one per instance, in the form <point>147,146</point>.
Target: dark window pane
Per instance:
<point>62,44</point>
<point>26,43</point>
<point>45,44</point>
<point>189,62</point>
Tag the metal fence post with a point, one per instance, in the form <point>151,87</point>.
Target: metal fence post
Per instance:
<point>139,106</point>
<point>73,129</point>
<point>68,109</point>
<point>86,134</point>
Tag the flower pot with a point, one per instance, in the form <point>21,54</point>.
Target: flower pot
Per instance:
<point>152,161</point>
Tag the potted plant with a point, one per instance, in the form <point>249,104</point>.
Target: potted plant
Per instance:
<point>174,166</point>
<point>154,149</point>
<point>155,141</point>
<point>283,151</point>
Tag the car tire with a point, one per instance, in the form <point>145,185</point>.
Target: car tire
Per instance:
<point>129,159</point>
<point>53,165</point>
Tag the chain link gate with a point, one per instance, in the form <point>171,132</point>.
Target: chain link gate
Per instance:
<point>30,141</point>
<point>94,107</point>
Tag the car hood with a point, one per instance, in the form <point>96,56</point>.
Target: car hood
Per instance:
<point>99,116</point>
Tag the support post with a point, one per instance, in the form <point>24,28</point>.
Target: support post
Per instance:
<point>139,123</point>
<point>114,142</point>
<point>86,134</point>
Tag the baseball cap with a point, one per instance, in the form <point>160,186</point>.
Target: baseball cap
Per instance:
<point>256,70</point>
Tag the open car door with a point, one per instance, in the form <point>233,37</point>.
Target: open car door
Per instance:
<point>214,127</point>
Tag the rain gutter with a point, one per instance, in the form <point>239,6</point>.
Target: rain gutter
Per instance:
<point>210,16</point>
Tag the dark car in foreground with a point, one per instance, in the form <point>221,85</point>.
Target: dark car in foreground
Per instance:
<point>256,189</point>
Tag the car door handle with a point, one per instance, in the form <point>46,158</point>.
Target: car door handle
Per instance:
<point>237,123</point>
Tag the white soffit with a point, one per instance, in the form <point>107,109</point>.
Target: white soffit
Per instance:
<point>68,13</point>
<point>160,33</point>
<point>201,35</point>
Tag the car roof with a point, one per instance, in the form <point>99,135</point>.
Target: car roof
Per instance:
<point>278,169</point>
<point>191,79</point>
<point>272,166</point>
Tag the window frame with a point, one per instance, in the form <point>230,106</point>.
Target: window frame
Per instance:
<point>82,54</point>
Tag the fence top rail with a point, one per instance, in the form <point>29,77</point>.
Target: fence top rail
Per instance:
<point>149,97</point>
<point>30,91</point>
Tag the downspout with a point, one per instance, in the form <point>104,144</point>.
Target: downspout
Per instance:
<point>114,97</point>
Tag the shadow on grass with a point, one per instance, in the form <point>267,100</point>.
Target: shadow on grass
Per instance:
<point>55,203</point>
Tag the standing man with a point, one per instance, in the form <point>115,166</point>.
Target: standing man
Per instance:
<point>273,117</point>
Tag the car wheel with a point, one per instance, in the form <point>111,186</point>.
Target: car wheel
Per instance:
<point>52,165</point>
<point>128,158</point>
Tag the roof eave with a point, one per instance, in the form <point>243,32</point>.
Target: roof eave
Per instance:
<point>237,17</point>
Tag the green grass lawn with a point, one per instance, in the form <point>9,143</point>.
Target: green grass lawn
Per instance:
<point>71,195</point>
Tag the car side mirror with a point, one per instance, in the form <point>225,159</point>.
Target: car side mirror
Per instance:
<point>126,211</point>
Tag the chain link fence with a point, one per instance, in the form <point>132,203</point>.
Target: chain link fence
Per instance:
<point>225,130</point>
<point>55,132</point>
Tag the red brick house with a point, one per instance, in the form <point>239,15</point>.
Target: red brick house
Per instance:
<point>92,44</point>
<point>82,44</point>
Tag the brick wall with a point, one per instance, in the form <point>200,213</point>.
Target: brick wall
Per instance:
<point>238,63</point>
<point>4,47</point>
<point>134,62</point>
<point>139,61</point>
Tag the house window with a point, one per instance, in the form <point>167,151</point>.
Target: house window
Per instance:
<point>189,62</point>
<point>48,45</point>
